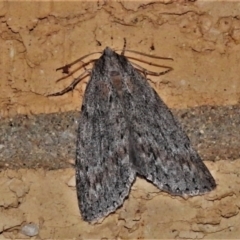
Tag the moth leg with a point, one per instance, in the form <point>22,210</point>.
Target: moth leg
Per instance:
<point>148,55</point>
<point>67,66</point>
<point>71,86</point>
<point>72,72</point>
<point>148,72</point>
<point>124,46</point>
<point>76,80</point>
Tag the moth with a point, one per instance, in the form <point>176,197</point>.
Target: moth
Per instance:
<point>125,130</point>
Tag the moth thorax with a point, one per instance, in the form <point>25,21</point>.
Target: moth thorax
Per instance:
<point>116,80</point>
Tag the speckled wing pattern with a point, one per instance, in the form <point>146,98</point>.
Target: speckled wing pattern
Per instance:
<point>104,173</point>
<point>126,129</point>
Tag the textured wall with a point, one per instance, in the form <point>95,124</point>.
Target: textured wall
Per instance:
<point>37,37</point>
<point>203,38</point>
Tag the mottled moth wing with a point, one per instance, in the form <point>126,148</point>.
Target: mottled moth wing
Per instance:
<point>104,173</point>
<point>126,129</point>
<point>162,151</point>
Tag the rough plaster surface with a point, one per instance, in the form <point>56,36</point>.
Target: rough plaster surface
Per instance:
<point>48,199</point>
<point>202,37</point>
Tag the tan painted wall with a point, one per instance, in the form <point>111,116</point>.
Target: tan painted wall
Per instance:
<point>202,37</point>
